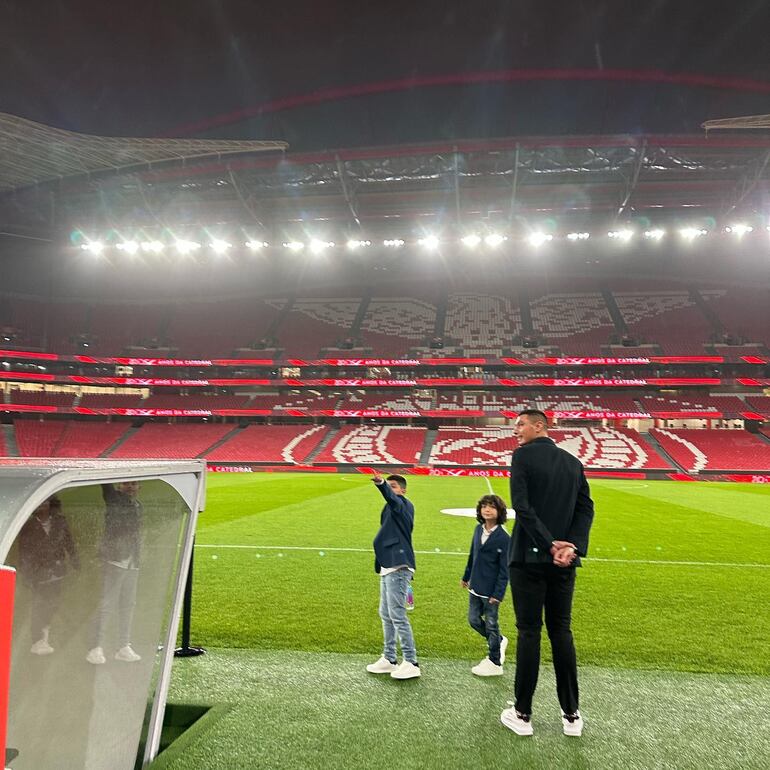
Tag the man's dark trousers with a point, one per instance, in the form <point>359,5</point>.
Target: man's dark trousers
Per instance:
<point>536,587</point>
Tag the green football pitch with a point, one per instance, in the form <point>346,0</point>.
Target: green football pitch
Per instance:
<point>671,624</point>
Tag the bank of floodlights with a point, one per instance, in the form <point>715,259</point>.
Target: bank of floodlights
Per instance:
<point>354,244</point>
<point>689,234</point>
<point>429,242</point>
<point>622,236</point>
<point>740,229</point>
<point>574,237</point>
<point>254,245</point>
<point>654,235</point>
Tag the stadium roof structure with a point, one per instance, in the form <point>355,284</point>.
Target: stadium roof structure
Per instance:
<point>570,179</point>
<point>33,153</point>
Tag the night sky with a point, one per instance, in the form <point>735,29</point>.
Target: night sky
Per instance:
<point>151,67</point>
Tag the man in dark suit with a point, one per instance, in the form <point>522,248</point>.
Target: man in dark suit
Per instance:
<point>554,512</point>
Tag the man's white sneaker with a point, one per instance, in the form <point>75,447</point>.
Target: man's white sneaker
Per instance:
<point>41,647</point>
<point>487,668</point>
<point>381,666</point>
<point>406,670</point>
<point>127,655</point>
<point>519,723</point>
<point>503,648</point>
<point>573,724</point>
<point>96,656</point>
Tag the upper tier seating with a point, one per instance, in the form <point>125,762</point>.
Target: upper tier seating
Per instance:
<point>394,325</point>
<point>579,323</point>
<point>390,401</point>
<point>745,313</point>
<point>715,450</point>
<point>597,448</point>
<point>670,318</point>
<point>42,398</point>
<point>372,444</point>
<point>270,444</point>
<point>315,323</point>
<point>170,442</point>
<point>481,324</point>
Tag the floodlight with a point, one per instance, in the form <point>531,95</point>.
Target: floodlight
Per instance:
<point>740,229</point>
<point>130,247</point>
<point>95,247</point>
<point>354,244</point>
<point>154,247</point>
<point>654,235</point>
<point>429,242</point>
<point>218,246</point>
<point>317,246</point>
<point>624,236</point>
<point>471,241</point>
<point>393,243</point>
<point>538,239</point>
<point>256,245</point>
<point>494,239</point>
<point>691,233</point>
<point>186,247</point>
<point>578,236</point>
<point>294,245</point>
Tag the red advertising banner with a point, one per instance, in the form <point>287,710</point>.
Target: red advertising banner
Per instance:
<point>754,478</point>
<point>151,361</point>
<point>7,583</point>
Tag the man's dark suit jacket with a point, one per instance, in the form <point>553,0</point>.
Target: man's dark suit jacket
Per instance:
<point>393,541</point>
<point>552,501</point>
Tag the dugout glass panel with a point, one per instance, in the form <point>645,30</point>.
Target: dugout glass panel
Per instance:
<point>99,567</point>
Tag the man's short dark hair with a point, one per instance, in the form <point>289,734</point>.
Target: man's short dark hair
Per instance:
<point>400,480</point>
<point>496,502</point>
<point>535,415</point>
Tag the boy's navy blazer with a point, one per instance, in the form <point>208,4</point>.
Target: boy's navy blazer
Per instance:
<point>487,568</point>
<point>393,541</point>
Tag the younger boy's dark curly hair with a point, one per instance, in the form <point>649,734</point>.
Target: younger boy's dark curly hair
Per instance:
<point>497,502</point>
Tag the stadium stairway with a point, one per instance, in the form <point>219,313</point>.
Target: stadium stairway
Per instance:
<point>614,310</point>
<point>363,308</point>
<point>325,441</point>
<point>653,442</point>
<point>130,432</point>
<point>10,441</point>
<point>525,311</point>
<point>430,438</point>
<point>219,443</point>
<point>707,310</point>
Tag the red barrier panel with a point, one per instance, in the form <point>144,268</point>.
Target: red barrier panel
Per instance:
<point>7,582</point>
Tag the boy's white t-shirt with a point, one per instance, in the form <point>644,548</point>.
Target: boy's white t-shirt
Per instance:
<point>387,570</point>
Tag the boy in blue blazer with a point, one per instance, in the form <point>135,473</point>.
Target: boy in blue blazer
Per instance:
<point>394,563</point>
<point>486,578</point>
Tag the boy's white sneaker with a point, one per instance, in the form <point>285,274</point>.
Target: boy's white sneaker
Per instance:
<point>127,655</point>
<point>519,723</point>
<point>487,668</point>
<point>503,648</point>
<point>406,670</point>
<point>41,647</point>
<point>96,656</point>
<point>573,724</point>
<point>381,666</point>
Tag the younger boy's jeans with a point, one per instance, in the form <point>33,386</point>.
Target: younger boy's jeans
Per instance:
<point>483,617</point>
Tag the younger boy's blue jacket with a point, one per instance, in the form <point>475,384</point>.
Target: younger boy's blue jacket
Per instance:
<point>393,541</point>
<point>487,570</point>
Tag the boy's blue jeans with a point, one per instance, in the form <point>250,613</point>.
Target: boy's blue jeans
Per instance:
<point>395,624</point>
<point>483,617</point>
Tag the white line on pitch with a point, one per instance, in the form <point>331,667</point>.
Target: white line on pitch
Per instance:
<point>465,553</point>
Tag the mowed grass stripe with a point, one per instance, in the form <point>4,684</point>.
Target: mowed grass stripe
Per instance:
<point>306,710</point>
<point>629,616</point>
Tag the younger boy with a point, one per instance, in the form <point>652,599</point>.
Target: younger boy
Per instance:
<point>394,563</point>
<point>486,578</point>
